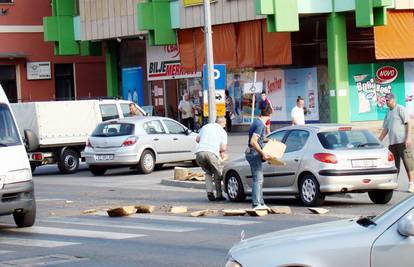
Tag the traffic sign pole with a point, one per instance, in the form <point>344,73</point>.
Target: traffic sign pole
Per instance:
<point>209,60</point>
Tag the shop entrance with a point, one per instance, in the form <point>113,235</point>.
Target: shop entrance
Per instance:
<point>8,82</point>
<point>172,99</point>
<point>64,83</point>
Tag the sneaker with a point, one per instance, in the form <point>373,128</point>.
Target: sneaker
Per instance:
<point>211,196</point>
<point>411,188</point>
<point>261,207</point>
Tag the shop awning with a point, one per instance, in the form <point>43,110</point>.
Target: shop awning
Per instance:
<point>13,55</point>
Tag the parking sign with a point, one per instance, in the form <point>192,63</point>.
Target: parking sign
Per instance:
<point>220,83</point>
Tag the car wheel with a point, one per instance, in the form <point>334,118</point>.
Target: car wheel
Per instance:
<point>309,191</point>
<point>96,170</point>
<point>25,219</point>
<point>380,196</point>
<point>147,162</point>
<point>234,187</point>
<point>69,161</point>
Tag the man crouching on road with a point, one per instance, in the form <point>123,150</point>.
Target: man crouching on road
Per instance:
<point>212,144</point>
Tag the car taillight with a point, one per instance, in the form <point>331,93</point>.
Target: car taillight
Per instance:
<point>37,156</point>
<point>130,141</point>
<point>326,158</point>
<point>88,143</point>
<point>390,156</point>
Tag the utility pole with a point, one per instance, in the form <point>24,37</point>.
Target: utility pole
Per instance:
<point>209,63</point>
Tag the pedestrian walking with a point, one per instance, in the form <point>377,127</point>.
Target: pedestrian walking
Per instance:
<point>186,107</point>
<point>264,102</point>
<point>298,112</point>
<point>397,126</point>
<point>255,156</point>
<point>229,111</point>
<point>212,141</point>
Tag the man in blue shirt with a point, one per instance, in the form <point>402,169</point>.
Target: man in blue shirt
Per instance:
<point>255,156</point>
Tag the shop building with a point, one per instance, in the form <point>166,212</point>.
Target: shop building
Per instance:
<point>29,68</point>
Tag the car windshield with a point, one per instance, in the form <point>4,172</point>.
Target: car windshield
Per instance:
<point>9,136</point>
<point>348,139</point>
<point>113,129</point>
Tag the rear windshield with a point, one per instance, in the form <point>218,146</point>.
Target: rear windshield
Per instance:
<point>9,136</point>
<point>114,129</point>
<point>348,139</point>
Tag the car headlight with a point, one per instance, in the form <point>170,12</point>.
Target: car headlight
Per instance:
<point>232,263</point>
<point>18,176</point>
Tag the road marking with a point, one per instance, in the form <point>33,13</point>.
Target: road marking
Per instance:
<point>74,232</point>
<point>184,219</point>
<point>50,199</point>
<point>6,251</point>
<point>34,242</point>
<point>113,223</point>
<point>42,261</point>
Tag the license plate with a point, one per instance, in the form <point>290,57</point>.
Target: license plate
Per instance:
<point>364,163</point>
<point>104,157</point>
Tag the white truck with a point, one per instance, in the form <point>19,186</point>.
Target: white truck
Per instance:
<point>62,128</point>
<point>16,185</point>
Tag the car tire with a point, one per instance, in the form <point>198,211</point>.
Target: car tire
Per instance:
<point>147,162</point>
<point>234,187</point>
<point>96,170</point>
<point>309,191</point>
<point>69,161</point>
<point>33,166</point>
<point>380,196</point>
<point>25,219</point>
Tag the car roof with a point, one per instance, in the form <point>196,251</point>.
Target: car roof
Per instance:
<point>140,119</point>
<point>322,127</point>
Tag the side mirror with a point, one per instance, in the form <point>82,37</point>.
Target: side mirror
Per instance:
<point>31,140</point>
<point>406,226</point>
<point>187,131</point>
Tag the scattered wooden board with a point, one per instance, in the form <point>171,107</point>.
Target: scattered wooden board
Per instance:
<point>234,212</point>
<point>181,173</point>
<point>122,211</point>
<point>199,213</point>
<point>258,213</point>
<point>178,209</point>
<point>145,208</point>
<point>318,210</point>
<point>280,210</point>
<point>89,211</point>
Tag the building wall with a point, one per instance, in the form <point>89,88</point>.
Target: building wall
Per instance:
<point>104,19</point>
<point>29,43</point>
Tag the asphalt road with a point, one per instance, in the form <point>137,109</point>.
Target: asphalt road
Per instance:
<point>63,236</point>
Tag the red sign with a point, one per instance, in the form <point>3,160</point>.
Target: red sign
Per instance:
<point>386,74</point>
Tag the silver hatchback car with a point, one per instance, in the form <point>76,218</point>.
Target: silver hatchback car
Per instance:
<point>320,160</point>
<point>142,142</point>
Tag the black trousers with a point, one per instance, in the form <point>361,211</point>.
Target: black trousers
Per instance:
<point>189,123</point>
<point>228,121</point>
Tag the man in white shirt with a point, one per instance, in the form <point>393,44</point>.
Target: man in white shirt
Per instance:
<point>298,114</point>
<point>212,144</point>
<point>186,107</point>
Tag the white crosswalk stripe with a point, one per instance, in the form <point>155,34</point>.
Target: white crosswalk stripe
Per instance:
<point>5,251</point>
<point>74,232</point>
<point>34,242</point>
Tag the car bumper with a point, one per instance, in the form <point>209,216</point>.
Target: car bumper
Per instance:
<point>16,196</point>
<point>356,180</point>
<point>119,159</point>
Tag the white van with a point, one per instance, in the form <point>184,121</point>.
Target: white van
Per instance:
<point>16,185</point>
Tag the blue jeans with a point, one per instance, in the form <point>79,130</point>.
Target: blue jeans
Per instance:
<point>255,162</point>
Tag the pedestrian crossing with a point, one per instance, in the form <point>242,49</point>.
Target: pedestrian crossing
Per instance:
<point>61,232</point>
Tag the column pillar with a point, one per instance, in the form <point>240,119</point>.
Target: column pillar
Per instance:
<point>111,59</point>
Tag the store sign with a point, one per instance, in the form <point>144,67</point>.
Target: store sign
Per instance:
<point>220,85</point>
<point>38,71</point>
<point>163,63</point>
<point>195,2</point>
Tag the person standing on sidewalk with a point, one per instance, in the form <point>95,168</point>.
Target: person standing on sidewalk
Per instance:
<point>255,156</point>
<point>186,107</point>
<point>397,126</point>
<point>229,110</point>
<point>298,113</point>
<point>212,145</point>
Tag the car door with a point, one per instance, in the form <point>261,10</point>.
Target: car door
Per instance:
<point>181,145</point>
<point>156,137</point>
<point>283,176</point>
<point>268,170</point>
<point>393,249</point>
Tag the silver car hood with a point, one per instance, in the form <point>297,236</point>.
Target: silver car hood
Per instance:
<point>330,233</point>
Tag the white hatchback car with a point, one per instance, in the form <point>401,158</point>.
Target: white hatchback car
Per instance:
<point>321,159</point>
<point>142,142</point>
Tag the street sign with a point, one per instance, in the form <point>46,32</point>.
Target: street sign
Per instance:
<point>220,78</point>
<point>253,88</point>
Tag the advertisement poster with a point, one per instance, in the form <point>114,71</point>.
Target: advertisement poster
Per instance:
<point>409,88</point>
<point>369,83</point>
<point>274,84</point>
<point>133,85</point>
<point>242,103</point>
<point>303,83</point>
<point>163,63</point>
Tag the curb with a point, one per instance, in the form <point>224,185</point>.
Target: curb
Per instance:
<point>184,184</point>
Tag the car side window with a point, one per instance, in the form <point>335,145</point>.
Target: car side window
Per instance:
<point>109,112</point>
<point>174,128</point>
<point>125,109</point>
<point>296,140</point>
<point>153,127</point>
<point>277,136</point>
